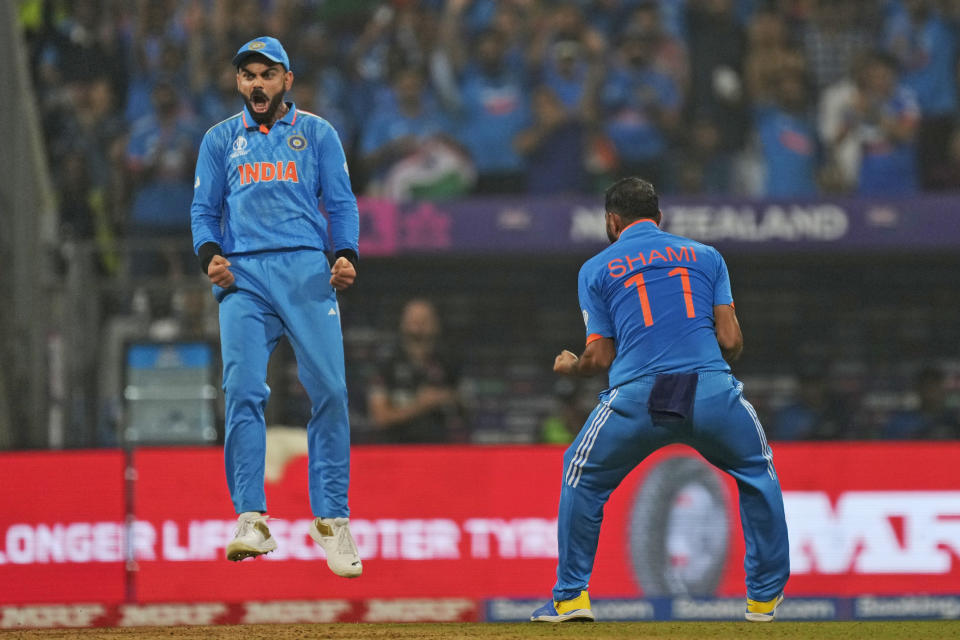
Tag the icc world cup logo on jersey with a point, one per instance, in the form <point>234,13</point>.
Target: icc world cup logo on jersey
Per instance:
<point>297,142</point>
<point>239,147</point>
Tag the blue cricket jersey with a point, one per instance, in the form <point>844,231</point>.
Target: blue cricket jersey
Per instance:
<point>654,293</point>
<point>259,189</point>
<point>790,152</point>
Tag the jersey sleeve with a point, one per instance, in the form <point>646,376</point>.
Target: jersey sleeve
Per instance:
<point>596,316</point>
<point>208,187</point>
<point>337,194</point>
<point>722,293</point>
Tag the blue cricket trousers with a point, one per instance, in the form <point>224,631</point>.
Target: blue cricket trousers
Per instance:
<point>619,434</point>
<point>277,293</point>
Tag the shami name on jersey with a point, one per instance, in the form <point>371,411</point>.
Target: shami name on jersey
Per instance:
<point>620,267</point>
<point>268,171</point>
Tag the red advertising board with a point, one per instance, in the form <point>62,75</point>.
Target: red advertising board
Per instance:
<point>475,523</point>
<point>429,522</point>
<point>479,522</point>
<point>61,527</point>
<point>863,518</point>
<point>872,518</point>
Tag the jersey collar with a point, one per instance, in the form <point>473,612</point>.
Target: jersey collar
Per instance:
<point>251,125</point>
<point>640,225</point>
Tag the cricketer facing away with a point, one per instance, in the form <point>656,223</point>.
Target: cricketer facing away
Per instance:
<point>659,316</point>
<point>263,243</point>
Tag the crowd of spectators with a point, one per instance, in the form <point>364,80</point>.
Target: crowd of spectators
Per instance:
<point>439,98</point>
<point>818,409</point>
<point>446,98</point>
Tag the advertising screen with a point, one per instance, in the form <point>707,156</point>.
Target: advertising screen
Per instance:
<point>879,519</point>
<point>480,522</point>
<point>62,527</point>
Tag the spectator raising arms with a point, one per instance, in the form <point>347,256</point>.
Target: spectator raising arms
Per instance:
<point>408,147</point>
<point>492,103</point>
<point>885,115</point>
<point>925,50</point>
<point>641,107</point>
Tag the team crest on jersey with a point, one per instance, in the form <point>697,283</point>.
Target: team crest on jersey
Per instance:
<point>297,142</point>
<point>257,45</point>
<point>239,147</point>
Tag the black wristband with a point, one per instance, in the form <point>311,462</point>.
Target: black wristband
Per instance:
<point>206,252</point>
<point>350,255</point>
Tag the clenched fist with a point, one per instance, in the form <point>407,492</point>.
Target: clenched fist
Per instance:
<point>565,363</point>
<point>218,272</point>
<point>343,273</point>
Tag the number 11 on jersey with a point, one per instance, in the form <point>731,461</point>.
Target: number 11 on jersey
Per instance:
<point>637,280</point>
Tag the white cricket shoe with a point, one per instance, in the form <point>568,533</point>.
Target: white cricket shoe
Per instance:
<point>333,534</point>
<point>252,537</point>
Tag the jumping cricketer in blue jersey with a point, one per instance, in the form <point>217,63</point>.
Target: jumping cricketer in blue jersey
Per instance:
<point>263,242</point>
<point>659,318</point>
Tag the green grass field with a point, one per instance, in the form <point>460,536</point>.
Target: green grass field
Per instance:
<point>528,631</point>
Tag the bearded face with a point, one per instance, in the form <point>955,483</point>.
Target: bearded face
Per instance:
<point>262,107</point>
<point>263,86</point>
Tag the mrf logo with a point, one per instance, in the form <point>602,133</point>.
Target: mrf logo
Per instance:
<point>873,532</point>
<point>285,171</point>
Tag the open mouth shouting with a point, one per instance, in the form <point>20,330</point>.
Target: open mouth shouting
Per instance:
<point>262,107</point>
<point>259,101</point>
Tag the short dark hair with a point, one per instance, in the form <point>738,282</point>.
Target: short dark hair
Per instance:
<point>632,199</point>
